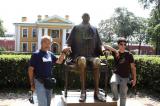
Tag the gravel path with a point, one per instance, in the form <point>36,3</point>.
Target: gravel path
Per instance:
<point>12,99</point>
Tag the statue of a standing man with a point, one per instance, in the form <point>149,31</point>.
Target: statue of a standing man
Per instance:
<point>85,46</point>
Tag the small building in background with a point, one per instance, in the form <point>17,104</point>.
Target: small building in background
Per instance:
<point>7,43</point>
<point>28,34</point>
<point>144,49</point>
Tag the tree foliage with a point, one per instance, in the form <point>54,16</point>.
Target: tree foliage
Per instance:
<point>2,31</point>
<point>106,30</point>
<point>124,22</point>
<point>140,34</point>
<point>147,3</point>
<point>153,23</point>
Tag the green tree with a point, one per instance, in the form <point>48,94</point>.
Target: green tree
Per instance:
<point>153,23</point>
<point>2,31</point>
<point>140,34</point>
<point>124,22</point>
<point>154,33</point>
<point>147,3</point>
<point>105,30</point>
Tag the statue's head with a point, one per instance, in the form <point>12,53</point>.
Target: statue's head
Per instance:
<point>85,18</point>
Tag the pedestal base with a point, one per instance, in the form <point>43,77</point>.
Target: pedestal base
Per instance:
<point>73,100</point>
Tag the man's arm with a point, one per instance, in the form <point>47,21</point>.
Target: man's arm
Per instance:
<point>67,48</point>
<point>133,69</point>
<point>110,48</point>
<point>31,77</point>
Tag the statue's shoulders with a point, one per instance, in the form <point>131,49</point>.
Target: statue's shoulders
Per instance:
<point>93,27</point>
<point>76,27</point>
<point>82,25</point>
<point>79,26</point>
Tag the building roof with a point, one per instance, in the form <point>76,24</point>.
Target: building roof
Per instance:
<point>53,20</point>
<point>56,17</point>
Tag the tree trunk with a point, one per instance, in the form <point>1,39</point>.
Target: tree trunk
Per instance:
<point>128,45</point>
<point>139,48</point>
<point>157,46</point>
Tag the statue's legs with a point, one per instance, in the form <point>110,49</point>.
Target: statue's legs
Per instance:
<point>96,65</point>
<point>96,71</point>
<point>81,65</point>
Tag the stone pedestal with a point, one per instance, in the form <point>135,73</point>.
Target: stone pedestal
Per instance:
<point>73,100</point>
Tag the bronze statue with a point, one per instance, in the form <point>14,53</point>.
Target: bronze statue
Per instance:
<point>85,46</point>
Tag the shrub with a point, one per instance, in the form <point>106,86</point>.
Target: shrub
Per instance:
<point>2,49</point>
<point>13,72</point>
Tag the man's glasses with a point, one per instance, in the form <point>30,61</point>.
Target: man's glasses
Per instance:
<point>122,44</point>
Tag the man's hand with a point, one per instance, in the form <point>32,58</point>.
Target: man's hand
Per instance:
<point>133,82</point>
<point>33,87</point>
<point>61,58</point>
<point>67,50</point>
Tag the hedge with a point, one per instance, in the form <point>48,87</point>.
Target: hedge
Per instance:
<point>13,70</point>
<point>13,73</point>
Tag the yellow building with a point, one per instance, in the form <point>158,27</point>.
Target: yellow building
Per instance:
<point>28,35</point>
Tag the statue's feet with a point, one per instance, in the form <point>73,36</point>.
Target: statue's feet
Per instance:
<point>82,97</point>
<point>99,97</point>
<point>114,99</point>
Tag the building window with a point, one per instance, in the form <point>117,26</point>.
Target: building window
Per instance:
<point>25,32</point>
<point>24,47</point>
<point>55,33</point>
<point>34,32</point>
<point>34,47</point>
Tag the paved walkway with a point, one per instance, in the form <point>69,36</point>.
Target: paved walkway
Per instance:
<point>22,100</point>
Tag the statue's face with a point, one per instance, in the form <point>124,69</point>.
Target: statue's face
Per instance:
<point>86,18</point>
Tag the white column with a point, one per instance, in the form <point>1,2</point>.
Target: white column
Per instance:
<point>69,31</point>
<point>17,38</point>
<point>39,37</point>
<point>46,31</point>
<point>16,35</point>
<point>63,38</point>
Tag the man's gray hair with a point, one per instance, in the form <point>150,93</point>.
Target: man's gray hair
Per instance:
<point>46,37</point>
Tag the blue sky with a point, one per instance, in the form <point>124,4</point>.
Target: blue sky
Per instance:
<point>11,11</point>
